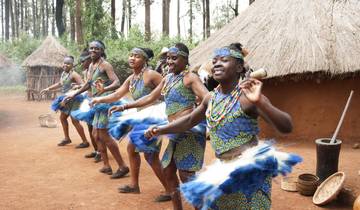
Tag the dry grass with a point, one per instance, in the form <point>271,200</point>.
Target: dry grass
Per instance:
<point>292,37</point>
<point>50,53</point>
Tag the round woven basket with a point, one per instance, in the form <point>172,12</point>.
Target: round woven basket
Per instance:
<point>329,189</point>
<point>46,120</point>
<point>288,183</point>
<point>307,184</point>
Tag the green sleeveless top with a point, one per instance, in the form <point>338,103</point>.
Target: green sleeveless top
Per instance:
<point>234,129</point>
<point>99,75</point>
<point>177,97</point>
<point>137,87</point>
<point>65,80</point>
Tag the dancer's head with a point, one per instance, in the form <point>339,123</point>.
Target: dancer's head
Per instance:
<point>178,58</point>
<point>97,50</point>
<point>228,63</point>
<point>68,63</point>
<point>139,57</point>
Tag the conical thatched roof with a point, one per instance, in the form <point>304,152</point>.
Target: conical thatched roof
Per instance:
<point>5,62</point>
<point>293,37</point>
<point>50,53</point>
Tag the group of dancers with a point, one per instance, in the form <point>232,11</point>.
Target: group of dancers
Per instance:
<point>177,107</point>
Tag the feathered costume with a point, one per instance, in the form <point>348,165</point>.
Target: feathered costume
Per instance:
<point>246,173</point>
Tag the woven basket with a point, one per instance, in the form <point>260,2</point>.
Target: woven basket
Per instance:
<point>46,120</point>
<point>329,189</point>
<point>288,183</point>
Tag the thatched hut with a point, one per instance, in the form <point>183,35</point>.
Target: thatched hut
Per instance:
<point>312,52</point>
<point>43,67</point>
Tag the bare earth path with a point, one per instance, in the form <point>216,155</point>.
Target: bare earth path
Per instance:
<point>36,174</point>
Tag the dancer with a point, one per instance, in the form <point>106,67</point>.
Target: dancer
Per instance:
<point>102,81</point>
<point>179,88</point>
<point>139,84</point>
<point>68,76</point>
<point>85,61</point>
<point>231,111</point>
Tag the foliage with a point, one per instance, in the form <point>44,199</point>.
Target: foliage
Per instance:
<point>117,50</point>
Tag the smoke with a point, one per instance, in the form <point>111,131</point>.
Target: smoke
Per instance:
<point>12,75</point>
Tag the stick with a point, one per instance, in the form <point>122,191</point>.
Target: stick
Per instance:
<point>341,119</point>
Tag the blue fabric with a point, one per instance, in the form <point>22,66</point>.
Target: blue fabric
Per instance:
<point>247,176</point>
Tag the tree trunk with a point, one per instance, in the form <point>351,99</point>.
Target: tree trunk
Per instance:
<point>123,15</point>
<point>2,21</point>
<point>34,18</point>
<point>72,24</point>
<point>42,16</point>
<point>12,22</point>
<point>113,17</point>
<point>59,17</point>
<point>38,19</point>
<point>16,18</point>
<point>22,14</point>
<point>207,8</point>
<point>165,17</point>
<point>79,30</point>
<point>251,1</point>
<point>46,17</point>
<point>7,20</point>
<point>129,13</point>
<point>26,17</point>
<point>178,18</point>
<point>191,20</point>
<point>147,20</point>
<point>53,17</point>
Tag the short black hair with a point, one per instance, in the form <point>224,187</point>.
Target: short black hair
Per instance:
<point>149,52</point>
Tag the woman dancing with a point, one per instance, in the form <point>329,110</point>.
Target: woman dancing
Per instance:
<point>68,76</point>
<point>231,112</point>
<point>139,84</point>
<point>179,89</point>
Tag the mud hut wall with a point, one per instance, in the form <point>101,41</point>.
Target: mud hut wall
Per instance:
<point>40,77</point>
<point>315,107</point>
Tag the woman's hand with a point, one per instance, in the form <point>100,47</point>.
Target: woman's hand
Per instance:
<point>252,89</point>
<point>116,109</point>
<point>151,132</point>
<point>99,85</point>
<point>44,91</point>
<point>94,101</point>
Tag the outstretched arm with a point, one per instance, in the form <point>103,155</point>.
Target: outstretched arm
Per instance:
<point>182,124</point>
<point>119,93</point>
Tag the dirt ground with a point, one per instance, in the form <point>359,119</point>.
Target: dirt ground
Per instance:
<point>37,174</point>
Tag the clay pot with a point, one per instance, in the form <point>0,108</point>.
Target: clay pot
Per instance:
<point>307,184</point>
<point>357,203</point>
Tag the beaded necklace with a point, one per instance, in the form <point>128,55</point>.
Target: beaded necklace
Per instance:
<point>226,104</point>
<point>172,81</point>
<point>135,79</point>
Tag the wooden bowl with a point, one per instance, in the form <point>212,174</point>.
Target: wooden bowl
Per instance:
<point>307,184</point>
<point>329,189</point>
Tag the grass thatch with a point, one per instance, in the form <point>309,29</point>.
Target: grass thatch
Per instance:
<point>5,62</point>
<point>293,37</point>
<point>50,53</point>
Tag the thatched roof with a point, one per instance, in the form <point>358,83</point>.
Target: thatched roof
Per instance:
<point>5,62</point>
<point>50,53</point>
<point>293,37</point>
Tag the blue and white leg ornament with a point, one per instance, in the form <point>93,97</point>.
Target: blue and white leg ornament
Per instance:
<point>245,173</point>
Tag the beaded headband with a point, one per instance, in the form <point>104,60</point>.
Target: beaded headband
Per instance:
<point>178,52</point>
<point>226,51</point>
<point>99,44</point>
<point>140,51</point>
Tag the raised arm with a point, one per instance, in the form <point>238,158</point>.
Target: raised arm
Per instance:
<point>112,76</point>
<point>76,78</point>
<point>274,116</point>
